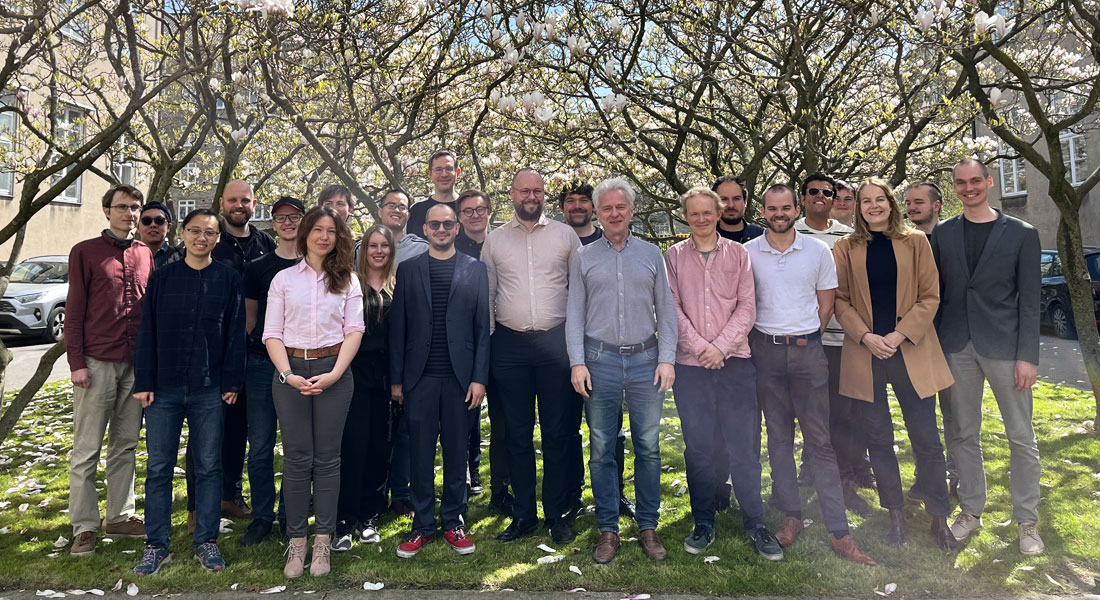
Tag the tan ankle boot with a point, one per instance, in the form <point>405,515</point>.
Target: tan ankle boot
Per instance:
<point>319,564</point>
<point>295,558</point>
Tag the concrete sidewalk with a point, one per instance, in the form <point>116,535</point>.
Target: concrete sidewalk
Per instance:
<point>405,594</point>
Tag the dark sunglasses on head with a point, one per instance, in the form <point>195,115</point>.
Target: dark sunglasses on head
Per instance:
<point>147,221</point>
<point>815,191</point>
<point>448,225</point>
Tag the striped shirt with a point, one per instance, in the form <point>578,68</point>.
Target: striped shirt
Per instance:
<point>834,333</point>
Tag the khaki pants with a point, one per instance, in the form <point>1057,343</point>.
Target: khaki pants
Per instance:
<point>109,401</point>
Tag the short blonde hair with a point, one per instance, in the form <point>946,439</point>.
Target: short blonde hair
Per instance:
<point>700,190</point>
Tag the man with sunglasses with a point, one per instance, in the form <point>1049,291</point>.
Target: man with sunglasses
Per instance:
<point>107,279</point>
<point>443,172</point>
<point>153,228</point>
<point>286,215</point>
<point>818,192</point>
<point>439,367</point>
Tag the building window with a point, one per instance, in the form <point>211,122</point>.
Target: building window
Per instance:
<point>1075,157</point>
<point>1013,172</point>
<point>122,164</point>
<point>77,27</point>
<point>183,207</point>
<point>7,147</point>
<point>189,175</point>
<point>261,212</point>
<point>70,135</point>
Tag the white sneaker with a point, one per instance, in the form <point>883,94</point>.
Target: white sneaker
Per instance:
<point>341,543</point>
<point>1030,542</point>
<point>964,525</point>
<point>369,534</point>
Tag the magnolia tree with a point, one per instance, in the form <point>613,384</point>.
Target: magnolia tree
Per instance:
<point>1034,70</point>
<point>56,55</point>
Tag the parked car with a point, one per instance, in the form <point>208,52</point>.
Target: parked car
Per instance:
<point>1055,305</point>
<point>34,303</point>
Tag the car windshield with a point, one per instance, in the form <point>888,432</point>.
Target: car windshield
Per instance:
<point>1094,266</point>
<point>31,271</point>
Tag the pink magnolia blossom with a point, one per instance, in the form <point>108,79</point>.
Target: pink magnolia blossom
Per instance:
<point>925,18</point>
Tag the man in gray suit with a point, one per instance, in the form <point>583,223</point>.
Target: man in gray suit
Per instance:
<point>989,329</point>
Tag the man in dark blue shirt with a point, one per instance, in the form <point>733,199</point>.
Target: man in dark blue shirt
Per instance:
<point>735,200</point>
<point>189,360</point>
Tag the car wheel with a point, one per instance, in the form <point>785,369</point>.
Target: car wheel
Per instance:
<point>55,325</point>
<point>1062,320</point>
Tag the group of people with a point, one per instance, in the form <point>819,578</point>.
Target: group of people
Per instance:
<point>369,354</point>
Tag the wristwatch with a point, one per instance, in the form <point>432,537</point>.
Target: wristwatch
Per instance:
<point>284,375</point>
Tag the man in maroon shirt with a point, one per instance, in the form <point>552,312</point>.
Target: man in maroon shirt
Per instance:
<point>107,277</point>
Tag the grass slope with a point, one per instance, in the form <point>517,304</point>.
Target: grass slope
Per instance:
<point>34,473</point>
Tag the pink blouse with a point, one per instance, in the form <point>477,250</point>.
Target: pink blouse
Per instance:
<point>303,314</point>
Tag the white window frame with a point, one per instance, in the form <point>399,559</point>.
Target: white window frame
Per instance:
<point>183,207</point>
<point>1013,173</point>
<point>1074,156</point>
<point>73,29</point>
<point>123,169</point>
<point>68,118</point>
<point>261,213</point>
<point>8,125</point>
<point>189,174</point>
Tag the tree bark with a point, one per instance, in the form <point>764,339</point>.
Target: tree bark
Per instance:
<point>1071,251</point>
<point>15,410</point>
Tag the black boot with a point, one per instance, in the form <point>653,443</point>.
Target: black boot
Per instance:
<point>895,536</point>
<point>941,532</point>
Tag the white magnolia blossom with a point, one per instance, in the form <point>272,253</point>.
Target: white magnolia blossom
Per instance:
<point>545,114</point>
<point>240,99</point>
<point>995,95</point>
<point>550,30</point>
<point>521,20</point>
<point>238,134</point>
<point>938,4</point>
<point>268,7</point>
<point>532,100</point>
<point>876,16</point>
<point>494,96</point>
<point>215,84</point>
<point>577,45</point>
<point>613,103</point>
<point>610,68</point>
<point>615,24</point>
<point>924,19</point>
<point>945,11</point>
<point>496,36</point>
<point>984,22</point>
<point>506,104</point>
<point>238,76</point>
<point>487,10</point>
<point>537,30</point>
<point>511,56</point>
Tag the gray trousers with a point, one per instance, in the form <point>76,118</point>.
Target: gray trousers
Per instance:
<point>107,406</point>
<point>313,429</point>
<point>971,371</point>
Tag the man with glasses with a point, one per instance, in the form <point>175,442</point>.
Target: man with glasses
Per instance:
<point>439,366</point>
<point>474,212</point>
<point>286,214</point>
<point>443,172</point>
<point>818,193</point>
<point>153,228</point>
<point>528,264</point>
<point>107,279</point>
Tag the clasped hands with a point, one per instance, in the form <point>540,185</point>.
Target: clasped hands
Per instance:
<point>883,346</point>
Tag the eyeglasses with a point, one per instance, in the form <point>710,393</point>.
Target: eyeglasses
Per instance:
<point>480,211</point>
<point>448,225</point>
<point>196,232</point>
<point>123,208</point>
<point>815,191</point>
<point>283,218</point>
<point>442,170</point>
<point>401,208</point>
<point>147,221</point>
<point>537,192</point>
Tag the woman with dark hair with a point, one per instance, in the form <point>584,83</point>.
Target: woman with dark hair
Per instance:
<point>886,299</point>
<point>312,331</point>
<point>368,430</point>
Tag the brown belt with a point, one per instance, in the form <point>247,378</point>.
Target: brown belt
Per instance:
<point>314,353</point>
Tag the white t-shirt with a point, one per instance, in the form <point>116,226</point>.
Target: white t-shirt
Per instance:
<point>834,333</point>
<point>787,284</point>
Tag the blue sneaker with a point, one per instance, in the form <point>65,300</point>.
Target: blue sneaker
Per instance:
<point>209,556</point>
<point>152,560</point>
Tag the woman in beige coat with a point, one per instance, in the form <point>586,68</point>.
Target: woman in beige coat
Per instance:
<point>887,296</point>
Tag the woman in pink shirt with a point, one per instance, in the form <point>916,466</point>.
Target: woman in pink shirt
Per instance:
<point>312,331</point>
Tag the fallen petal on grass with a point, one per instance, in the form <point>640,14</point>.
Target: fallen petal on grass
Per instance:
<point>132,589</point>
<point>545,560</point>
<point>372,586</point>
<point>575,569</point>
<point>546,549</point>
<point>274,590</point>
<point>710,559</point>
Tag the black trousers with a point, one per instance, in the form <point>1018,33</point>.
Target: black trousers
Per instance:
<point>365,455</point>
<point>234,445</point>
<point>436,410</point>
<point>529,366</point>
<point>845,421</point>
<point>498,439</point>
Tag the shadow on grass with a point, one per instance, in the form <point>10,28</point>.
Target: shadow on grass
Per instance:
<point>34,468</point>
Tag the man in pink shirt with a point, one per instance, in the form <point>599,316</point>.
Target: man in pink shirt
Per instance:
<point>712,284</point>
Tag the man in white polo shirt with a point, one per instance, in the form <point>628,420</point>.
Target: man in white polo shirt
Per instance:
<point>795,280</point>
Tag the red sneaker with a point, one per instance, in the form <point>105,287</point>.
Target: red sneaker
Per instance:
<point>458,541</point>
<point>411,546</point>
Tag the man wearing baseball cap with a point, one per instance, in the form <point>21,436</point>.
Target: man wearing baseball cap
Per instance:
<point>153,227</point>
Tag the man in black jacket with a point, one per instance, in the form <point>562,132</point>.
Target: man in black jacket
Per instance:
<point>439,336</point>
<point>989,329</point>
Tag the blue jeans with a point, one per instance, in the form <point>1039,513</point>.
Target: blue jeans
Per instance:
<point>205,412</point>
<point>262,424</point>
<point>614,375</point>
<point>721,423</point>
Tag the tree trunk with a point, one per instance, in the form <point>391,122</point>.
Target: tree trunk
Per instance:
<point>1071,250</point>
<point>15,410</point>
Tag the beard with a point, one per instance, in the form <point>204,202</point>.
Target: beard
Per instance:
<point>732,220</point>
<point>782,227</point>
<point>528,215</point>
<point>237,219</point>
<point>578,219</point>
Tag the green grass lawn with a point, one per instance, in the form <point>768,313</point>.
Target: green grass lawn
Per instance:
<point>34,473</point>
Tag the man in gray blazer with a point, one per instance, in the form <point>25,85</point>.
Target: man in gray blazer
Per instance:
<point>989,330</point>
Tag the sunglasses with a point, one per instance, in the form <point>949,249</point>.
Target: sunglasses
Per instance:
<point>147,221</point>
<point>815,191</point>
<point>448,225</point>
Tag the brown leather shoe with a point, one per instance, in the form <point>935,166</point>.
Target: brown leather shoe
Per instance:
<point>83,544</point>
<point>788,531</point>
<point>606,548</point>
<point>848,548</point>
<point>130,528</point>
<point>651,545</point>
<point>236,509</point>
